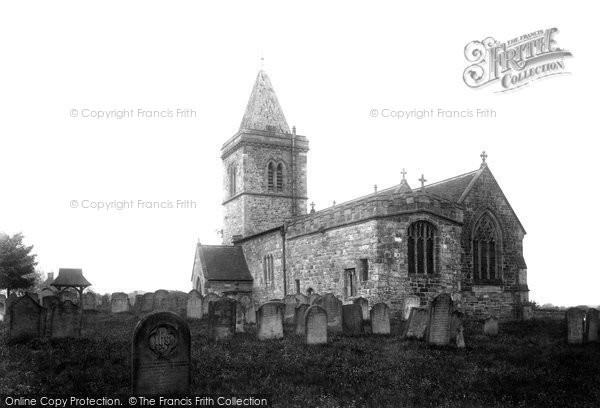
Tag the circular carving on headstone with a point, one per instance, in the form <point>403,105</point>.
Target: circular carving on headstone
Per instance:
<point>163,340</point>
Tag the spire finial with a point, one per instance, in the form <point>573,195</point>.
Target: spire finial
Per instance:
<point>312,207</point>
<point>403,172</point>
<point>375,187</point>
<point>483,156</point>
<point>422,180</point>
<point>262,60</point>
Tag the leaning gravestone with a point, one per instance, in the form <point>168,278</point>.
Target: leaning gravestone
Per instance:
<point>25,318</point>
<point>364,306</point>
<point>66,320</point>
<point>119,302</point>
<point>269,319</point>
<point>352,319</point>
<point>591,325</point>
<point>417,323</point>
<point>380,319</point>
<point>193,305</point>
<point>208,299</point>
<point>302,299</point>
<point>315,325</point>
<point>290,306</point>
<point>249,312</point>
<point>89,301</point>
<point>239,317</point>
<point>161,360</point>
<point>440,313</point>
<point>160,300</point>
<point>408,303</point>
<point>455,326</point>
<point>147,302</point>
<point>299,318</point>
<point>333,307</point>
<point>221,319</point>
<point>49,303</point>
<point>575,325</point>
<point>312,298</point>
<point>490,326</point>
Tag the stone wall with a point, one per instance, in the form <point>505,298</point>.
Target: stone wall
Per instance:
<point>255,250</point>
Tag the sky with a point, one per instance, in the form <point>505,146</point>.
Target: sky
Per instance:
<point>332,64</point>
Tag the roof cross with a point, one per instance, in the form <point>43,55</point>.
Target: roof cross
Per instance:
<point>403,172</point>
<point>312,206</point>
<point>483,156</point>
<point>422,180</point>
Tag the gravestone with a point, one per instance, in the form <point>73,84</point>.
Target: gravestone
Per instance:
<point>208,299</point>
<point>193,306</point>
<point>299,318</point>
<point>333,307</point>
<point>177,302</point>
<point>455,326</point>
<point>147,302</point>
<point>364,307</point>
<point>221,319</point>
<point>49,303</point>
<point>25,315</point>
<point>460,338</point>
<point>302,299</point>
<point>239,317</point>
<point>312,298</point>
<point>440,313</point>
<point>315,325</point>
<point>136,308</point>
<point>575,325</point>
<point>104,303</point>
<point>417,323</point>
<point>89,301</point>
<point>66,320</point>
<point>290,306</point>
<point>1,310</point>
<point>490,326</point>
<point>527,312</point>
<point>408,303</point>
<point>161,361</point>
<point>119,302</point>
<point>249,312</point>
<point>591,325</point>
<point>380,319</point>
<point>69,294</point>
<point>269,318</point>
<point>352,319</point>
<point>159,303</point>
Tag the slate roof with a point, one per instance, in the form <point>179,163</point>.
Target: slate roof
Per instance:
<point>70,278</point>
<point>224,263</point>
<point>263,111</point>
<point>454,188</point>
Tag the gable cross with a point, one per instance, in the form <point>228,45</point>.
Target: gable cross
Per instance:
<point>422,180</point>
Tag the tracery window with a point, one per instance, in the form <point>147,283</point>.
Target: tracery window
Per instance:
<point>268,269</point>
<point>421,240</point>
<point>485,245</point>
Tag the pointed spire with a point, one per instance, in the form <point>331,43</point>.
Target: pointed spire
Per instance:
<point>263,111</point>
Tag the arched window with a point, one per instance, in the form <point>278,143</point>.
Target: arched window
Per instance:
<point>485,250</point>
<point>270,176</point>
<point>268,269</point>
<point>421,248</point>
<point>279,177</point>
<point>232,179</point>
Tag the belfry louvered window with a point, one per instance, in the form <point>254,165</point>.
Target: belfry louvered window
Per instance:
<point>279,177</point>
<point>421,248</point>
<point>270,176</point>
<point>232,180</point>
<point>485,250</point>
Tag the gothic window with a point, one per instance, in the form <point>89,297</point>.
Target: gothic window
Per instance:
<point>270,176</point>
<point>279,177</point>
<point>421,248</point>
<point>350,282</point>
<point>268,270</point>
<point>364,269</point>
<point>232,179</point>
<point>485,250</point>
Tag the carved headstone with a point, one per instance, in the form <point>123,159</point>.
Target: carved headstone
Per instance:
<point>364,306</point>
<point>269,319</point>
<point>147,302</point>
<point>160,300</point>
<point>352,319</point>
<point>490,326</point>
<point>290,306</point>
<point>194,305</point>
<point>89,301</point>
<point>299,318</point>
<point>25,318</point>
<point>333,307</point>
<point>119,302</point>
<point>69,294</point>
<point>49,303</point>
<point>249,311</point>
<point>575,325</point>
<point>315,325</point>
<point>221,319</point>
<point>380,319</point>
<point>591,325</point>
<point>440,313</point>
<point>417,323</point>
<point>208,299</point>
<point>408,303</point>
<point>161,355</point>
<point>302,299</point>
<point>66,320</point>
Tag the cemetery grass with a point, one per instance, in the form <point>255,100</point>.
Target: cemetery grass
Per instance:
<point>528,364</point>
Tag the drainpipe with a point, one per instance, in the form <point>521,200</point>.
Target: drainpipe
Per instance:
<point>283,261</point>
<point>293,183</point>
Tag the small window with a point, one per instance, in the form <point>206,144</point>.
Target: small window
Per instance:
<point>485,248</point>
<point>297,285</point>
<point>268,271</point>
<point>279,177</point>
<point>350,282</point>
<point>270,176</point>
<point>232,179</point>
<point>364,269</point>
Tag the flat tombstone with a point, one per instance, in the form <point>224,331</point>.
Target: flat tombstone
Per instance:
<point>160,300</point>
<point>147,302</point>
<point>290,306</point>
<point>89,301</point>
<point>239,317</point>
<point>380,319</point>
<point>25,318</point>
<point>364,306</point>
<point>302,299</point>
<point>299,318</point>
<point>193,307</point>
<point>312,298</point>
<point>66,320</point>
<point>333,307</point>
<point>161,355</point>
<point>352,319</point>
<point>417,323</point>
<point>440,314</point>
<point>269,318</point>
<point>490,326</point>
<point>408,303</point>
<point>221,319</point>
<point>208,299</point>
<point>575,325</point>
<point>249,312</point>
<point>119,303</point>
<point>591,325</point>
<point>315,325</point>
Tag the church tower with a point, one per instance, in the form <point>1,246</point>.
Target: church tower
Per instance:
<point>264,168</point>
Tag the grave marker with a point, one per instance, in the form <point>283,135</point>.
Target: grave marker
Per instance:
<point>315,325</point>
<point>333,307</point>
<point>352,319</point>
<point>490,326</point>
<point>269,319</point>
<point>89,301</point>
<point>575,325</point>
<point>49,303</point>
<point>417,323</point>
<point>380,319</point>
<point>66,320</point>
<point>119,302</point>
<point>591,325</point>
<point>290,306</point>
<point>221,319</point>
<point>208,299</point>
<point>147,302</point>
<point>364,306</point>
<point>194,305</point>
<point>299,318</point>
<point>25,315</point>
<point>302,299</point>
<point>249,312</point>
<point>440,313</point>
<point>160,300</point>
<point>408,303</point>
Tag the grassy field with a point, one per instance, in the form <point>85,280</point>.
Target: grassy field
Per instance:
<point>528,365</point>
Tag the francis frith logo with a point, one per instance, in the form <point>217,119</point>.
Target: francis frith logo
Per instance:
<point>514,63</point>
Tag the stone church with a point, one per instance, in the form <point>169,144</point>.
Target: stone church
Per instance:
<point>459,236</point>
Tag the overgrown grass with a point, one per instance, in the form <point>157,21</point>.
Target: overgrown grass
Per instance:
<point>528,365</point>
